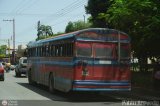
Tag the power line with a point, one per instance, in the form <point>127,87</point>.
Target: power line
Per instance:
<point>25,3</point>
<point>29,14</point>
<point>64,11</point>
<point>68,9</point>
<point>26,7</point>
<point>57,23</point>
<point>19,6</point>
<point>22,1</point>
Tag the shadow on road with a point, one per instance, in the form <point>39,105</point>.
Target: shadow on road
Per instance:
<point>22,76</point>
<point>69,97</point>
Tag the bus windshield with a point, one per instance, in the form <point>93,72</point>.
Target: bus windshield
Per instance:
<point>84,50</point>
<point>103,51</point>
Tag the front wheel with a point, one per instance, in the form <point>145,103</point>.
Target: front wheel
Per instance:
<point>51,83</point>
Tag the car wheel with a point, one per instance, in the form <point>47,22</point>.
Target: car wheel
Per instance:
<point>2,79</point>
<point>19,74</point>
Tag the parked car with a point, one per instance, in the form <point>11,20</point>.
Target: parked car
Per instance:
<point>12,67</point>
<point>21,67</point>
<point>7,66</point>
<point>1,72</point>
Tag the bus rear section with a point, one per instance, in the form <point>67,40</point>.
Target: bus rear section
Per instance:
<point>97,67</point>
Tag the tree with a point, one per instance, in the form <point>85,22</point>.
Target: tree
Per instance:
<point>43,31</point>
<point>69,27</point>
<point>141,20</point>
<point>78,25</point>
<point>97,9</point>
<point>3,50</point>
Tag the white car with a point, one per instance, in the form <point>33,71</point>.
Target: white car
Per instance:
<point>21,67</point>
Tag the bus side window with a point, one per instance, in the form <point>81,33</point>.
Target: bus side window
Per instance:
<point>69,48</point>
<point>39,51</point>
<point>53,50</point>
<point>65,49</point>
<point>47,50</point>
<point>61,50</point>
<point>56,50</point>
<point>36,52</point>
<point>44,51</point>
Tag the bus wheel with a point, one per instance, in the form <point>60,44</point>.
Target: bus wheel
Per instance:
<point>29,78</point>
<point>51,83</point>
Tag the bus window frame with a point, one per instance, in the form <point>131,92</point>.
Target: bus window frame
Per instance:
<point>122,44</point>
<point>76,48</point>
<point>111,46</point>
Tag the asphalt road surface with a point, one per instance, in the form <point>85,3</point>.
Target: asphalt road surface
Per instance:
<point>17,92</point>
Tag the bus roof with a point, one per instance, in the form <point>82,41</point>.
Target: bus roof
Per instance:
<point>90,34</point>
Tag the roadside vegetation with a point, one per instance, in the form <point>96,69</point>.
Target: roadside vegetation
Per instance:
<point>140,19</point>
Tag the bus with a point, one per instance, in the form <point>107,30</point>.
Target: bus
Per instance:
<point>93,59</point>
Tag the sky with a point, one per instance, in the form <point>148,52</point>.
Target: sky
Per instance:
<point>55,13</point>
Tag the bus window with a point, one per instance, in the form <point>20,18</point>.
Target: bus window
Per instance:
<point>124,51</point>
<point>84,50</point>
<point>103,51</point>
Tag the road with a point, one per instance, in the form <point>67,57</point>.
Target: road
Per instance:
<point>17,92</point>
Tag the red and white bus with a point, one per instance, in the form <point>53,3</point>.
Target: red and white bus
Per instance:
<point>94,59</point>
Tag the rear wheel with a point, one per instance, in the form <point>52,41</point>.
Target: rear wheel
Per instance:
<point>2,78</point>
<point>51,83</point>
<point>31,82</point>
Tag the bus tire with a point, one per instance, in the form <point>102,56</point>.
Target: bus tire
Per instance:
<point>30,78</point>
<point>51,83</point>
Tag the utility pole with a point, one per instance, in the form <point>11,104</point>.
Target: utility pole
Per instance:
<point>84,20</point>
<point>9,51</point>
<point>0,33</point>
<point>13,38</point>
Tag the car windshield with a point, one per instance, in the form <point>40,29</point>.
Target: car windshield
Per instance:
<point>25,61</point>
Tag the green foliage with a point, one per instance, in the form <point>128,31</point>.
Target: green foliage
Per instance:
<point>45,37</point>
<point>97,9</point>
<point>58,33</point>
<point>44,31</point>
<point>3,50</point>
<point>78,25</point>
<point>69,27</point>
<point>141,20</point>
